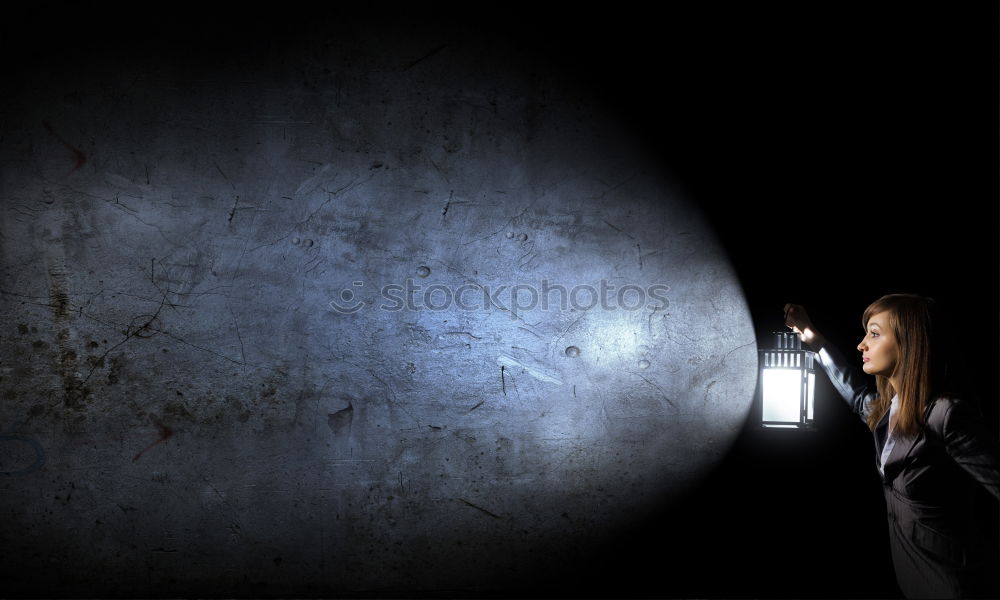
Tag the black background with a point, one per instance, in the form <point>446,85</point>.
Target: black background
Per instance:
<point>859,140</point>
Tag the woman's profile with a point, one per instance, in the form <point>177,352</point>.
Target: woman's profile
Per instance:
<point>932,447</point>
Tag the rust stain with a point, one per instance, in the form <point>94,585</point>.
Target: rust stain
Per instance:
<point>74,394</point>
<point>165,433</point>
<point>81,158</point>
<point>57,292</point>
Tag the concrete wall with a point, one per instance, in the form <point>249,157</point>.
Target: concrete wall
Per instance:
<point>208,387</point>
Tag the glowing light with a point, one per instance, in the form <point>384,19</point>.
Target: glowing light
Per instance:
<point>811,396</point>
<point>782,394</point>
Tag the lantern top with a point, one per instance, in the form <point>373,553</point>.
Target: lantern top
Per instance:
<point>787,340</point>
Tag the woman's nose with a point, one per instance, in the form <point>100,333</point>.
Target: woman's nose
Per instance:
<point>861,346</point>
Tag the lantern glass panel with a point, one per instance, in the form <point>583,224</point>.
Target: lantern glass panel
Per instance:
<point>811,397</point>
<point>782,395</point>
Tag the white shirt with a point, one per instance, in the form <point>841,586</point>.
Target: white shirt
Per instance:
<point>890,440</point>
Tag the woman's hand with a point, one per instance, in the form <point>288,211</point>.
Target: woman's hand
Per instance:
<point>797,319</point>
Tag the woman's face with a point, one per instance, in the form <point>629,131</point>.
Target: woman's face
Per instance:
<point>879,351</point>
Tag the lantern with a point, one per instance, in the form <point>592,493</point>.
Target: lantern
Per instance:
<point>787,383</point>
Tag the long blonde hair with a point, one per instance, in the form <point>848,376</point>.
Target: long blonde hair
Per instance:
<point>921,372</point>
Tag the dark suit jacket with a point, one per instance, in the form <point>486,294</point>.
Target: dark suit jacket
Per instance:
<point>938,548</point>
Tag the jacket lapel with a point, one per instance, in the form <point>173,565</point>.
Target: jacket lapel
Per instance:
<point>902,448</point>
<point>882,432</point>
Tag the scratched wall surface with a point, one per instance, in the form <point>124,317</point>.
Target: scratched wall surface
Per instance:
<point>212,385</point>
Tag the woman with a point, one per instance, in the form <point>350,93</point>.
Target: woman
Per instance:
<point>932,447</point>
